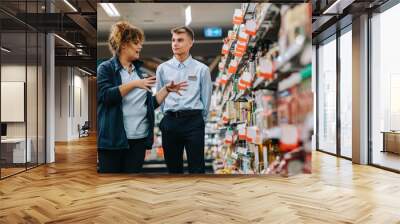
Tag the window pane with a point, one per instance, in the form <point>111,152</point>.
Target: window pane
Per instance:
<point>327,97</point>
<point>14,153</point>
<point>385,89</point>
<point>31,97</point>
<point>346,94</point>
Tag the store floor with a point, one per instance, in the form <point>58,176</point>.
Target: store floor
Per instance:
<point>387,159</point>
<point>71,191</point>
<point>10,171</point>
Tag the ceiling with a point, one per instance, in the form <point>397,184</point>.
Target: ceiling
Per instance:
<point>332,15</point>
<point>157,19</point>
<point>53,16</point>
<point>19,54</point>
<point>164,16</point>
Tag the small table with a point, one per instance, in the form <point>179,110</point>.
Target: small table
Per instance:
<point>391,141</point>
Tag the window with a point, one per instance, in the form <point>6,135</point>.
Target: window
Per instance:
<point>23,77</point>
<point>346,93</point>
<point>385,89</point>
<point>327,96</point>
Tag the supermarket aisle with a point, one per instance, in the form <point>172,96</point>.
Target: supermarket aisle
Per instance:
<point>263,101</point>
<point>71,191</point>
<point>259,58</point>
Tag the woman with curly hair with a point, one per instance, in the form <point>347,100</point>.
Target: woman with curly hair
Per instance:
<point>126,104</point>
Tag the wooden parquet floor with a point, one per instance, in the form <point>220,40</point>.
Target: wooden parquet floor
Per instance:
<point>71,191</point>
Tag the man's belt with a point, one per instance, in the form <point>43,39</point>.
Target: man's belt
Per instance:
<point>184,113</point>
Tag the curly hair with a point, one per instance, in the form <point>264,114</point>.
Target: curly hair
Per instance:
<point>121,33</point>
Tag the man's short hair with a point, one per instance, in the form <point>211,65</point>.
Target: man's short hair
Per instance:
<point>183,29</point>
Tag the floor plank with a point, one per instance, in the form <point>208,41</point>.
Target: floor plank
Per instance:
<point>71,191</point>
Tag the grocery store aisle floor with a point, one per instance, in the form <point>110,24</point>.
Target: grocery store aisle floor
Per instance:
<point>71,191</point>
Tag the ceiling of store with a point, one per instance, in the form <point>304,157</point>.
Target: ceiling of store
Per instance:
<point>164,16</point>
<point>156,19</point>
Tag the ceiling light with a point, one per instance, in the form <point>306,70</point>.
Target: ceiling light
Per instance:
<point>5,50</point>
<point>188,15</point>
<point>64,40</point>
<point>110,9</point>
<point>84,71</point>
<point>70,5</point>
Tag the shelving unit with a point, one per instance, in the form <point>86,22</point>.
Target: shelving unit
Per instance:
<point>262,95</point>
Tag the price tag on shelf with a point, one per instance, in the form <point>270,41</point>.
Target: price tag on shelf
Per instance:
<point>224,79</point>
<point>246,79</point>
<point>241,87</point>
<point>225,49</point>
<point>251,27</point>
<point>238,53</point>
<point>233,67</point>
<point>241,47</point>
<point>228,137</point>
<point>242,131</point>
<point>266,68</point>
<point>237,16</point>
<point>243,37</point>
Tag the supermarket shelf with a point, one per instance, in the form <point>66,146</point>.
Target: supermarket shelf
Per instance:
<point>290,53</point>
<point>212,145</point>
<point>159,166</point>
<point>239,96</point>
<point>235,123</point>
<point>289,70</point>
<point>264,28</point>
<point>281,62</point>
<point>272,85</point>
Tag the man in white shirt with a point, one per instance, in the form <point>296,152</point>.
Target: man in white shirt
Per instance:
<point>185,114</point>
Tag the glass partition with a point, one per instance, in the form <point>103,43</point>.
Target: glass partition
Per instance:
<point>327,96</point>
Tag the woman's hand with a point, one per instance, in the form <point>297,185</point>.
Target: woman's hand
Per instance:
<point>176,87</point>
<point>146,83</point>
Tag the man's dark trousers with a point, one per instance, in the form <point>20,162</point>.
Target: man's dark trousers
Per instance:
<point>183,130</point>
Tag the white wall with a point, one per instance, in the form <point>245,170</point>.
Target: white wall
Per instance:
<point>68,83</point>
<point>61,103</point>
<point>12,73</point>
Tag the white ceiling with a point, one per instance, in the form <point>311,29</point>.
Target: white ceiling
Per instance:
<point>164,16</point>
